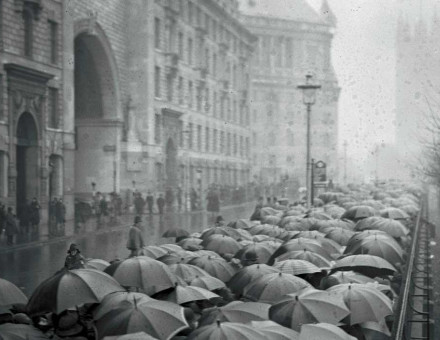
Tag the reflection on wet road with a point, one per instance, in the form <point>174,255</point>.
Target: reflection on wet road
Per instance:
<point>29,266</point>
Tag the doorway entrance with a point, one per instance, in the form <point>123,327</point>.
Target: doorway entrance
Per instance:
<point>27,162</point>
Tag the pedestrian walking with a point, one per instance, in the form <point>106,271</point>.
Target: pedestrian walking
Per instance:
<point>150,202</point>
<point>179,197</point>
<point>139,204</point>
<point>193,199</point>
<point>213,205</point>
<point>34,215</point>
<point>103,207</point>
<point>52,216</point>
<point>60,216</point>
<point>169,199</point>
<point>74,259</point>
<point>135,240</point>
<point>160,204</point>
<point>10,226</point>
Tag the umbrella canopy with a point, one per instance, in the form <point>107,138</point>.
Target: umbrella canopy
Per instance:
<point>394,213</point>
<point>392,227</point>
<point>186,294</point>
<point>378,247</point>
<point>365,223</point>
<point>226,330</point>
<point>241,224</point>
<point>271,287</point>
<point>308,306</point>
<point>11,331</point>
<point>300,244</point>
<point>359,212</point>
<point>344,277</point>
<point>225,231</point>
<point>319,215</point>
<point>236,311</point>
<point>171,247</point>
<point>159,319</point>
<point>375,330</point>
<point>296,267</point>
<point>174,258</point>
<point>339,235</point>
<point>113,300</point>
<point>366,234</point>
<point>222,244</point>
<point>176,232</point>
<point>97,264</point>
<point>143,272</point>
<point>187,272</point>
<point>71,288</point>
<point>369,265</point>
<point>306,255</point>
<point>131,336</point>
<point>208,282</point>
<point>191,243</point>
<point>322,331</point>
<point>254,253</point>
<point>10,294</point>
<point>365,303</point>
<point>214,266</point>
<point>274,331</point>
<point>246,275</point>
<point>154,251</point>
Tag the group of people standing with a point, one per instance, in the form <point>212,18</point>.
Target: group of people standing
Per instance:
<point>162,203</point>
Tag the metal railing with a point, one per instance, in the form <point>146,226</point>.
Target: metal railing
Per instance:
<point>413,315</point>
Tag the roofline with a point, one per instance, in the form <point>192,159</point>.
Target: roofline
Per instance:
<point>322,23</point>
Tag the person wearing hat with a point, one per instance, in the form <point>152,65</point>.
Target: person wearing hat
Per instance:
<point>135,240</point>
<point>69,326</point>
<point>219,221</point>
<point>74,260</point>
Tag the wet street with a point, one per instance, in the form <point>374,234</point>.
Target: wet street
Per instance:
<point>29,265</point>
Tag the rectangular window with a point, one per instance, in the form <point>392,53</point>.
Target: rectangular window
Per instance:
<point>214,104</point>
<point>157,128</point>
<point>53,108</point>
<point>190,135</point>
<point>190,12</point>
<point>207,104</point>
<point>222,142</point>
<point>207,139</point>
<point>214,141</point>
<point>199,137</point>
<point>170,87</point>
<point>28,32</point>
<point>214,64</point>
<point>157,81</point>
<point>181,134</point>
<point>228,144</point>
<point>157,33</point>
<point>180,89</point>
<point>199,98</point>
<point>180,42</point>
<point>234,140</point>
<point>190,51</point>
<point>53,27</point>
<point>278,51</point>
<point>289,53</point>
<point>190,94</point>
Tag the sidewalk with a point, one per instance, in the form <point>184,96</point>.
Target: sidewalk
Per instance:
<point>91,227</point>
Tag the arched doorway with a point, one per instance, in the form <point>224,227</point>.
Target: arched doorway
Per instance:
<point>97,122</point>
<point>27,161</point>
<point>171,164</point>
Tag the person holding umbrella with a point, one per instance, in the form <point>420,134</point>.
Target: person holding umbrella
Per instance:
<point>74,259</point>
<point>135,240</point>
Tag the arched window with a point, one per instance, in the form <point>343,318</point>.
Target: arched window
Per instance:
<point>28,32</point>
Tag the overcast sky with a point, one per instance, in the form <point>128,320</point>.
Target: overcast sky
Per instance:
<point>364,61</point>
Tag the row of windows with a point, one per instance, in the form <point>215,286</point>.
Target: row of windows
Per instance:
<point>206,58</point>
<point>278,49</point>
<point>195,16</point>
<point>202,99</point>
<point>209,140</point>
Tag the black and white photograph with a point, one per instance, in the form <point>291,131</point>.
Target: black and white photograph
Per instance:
<point>219,169</point>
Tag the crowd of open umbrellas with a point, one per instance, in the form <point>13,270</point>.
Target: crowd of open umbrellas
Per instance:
<point>332,272</point>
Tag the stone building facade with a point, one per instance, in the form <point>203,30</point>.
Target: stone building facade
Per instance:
<point>293,40</point>
<point>109,95</point>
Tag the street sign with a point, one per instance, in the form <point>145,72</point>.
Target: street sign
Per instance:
<point>320,172</point>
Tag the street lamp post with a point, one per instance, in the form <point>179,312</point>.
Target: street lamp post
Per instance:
<point>309,99</point>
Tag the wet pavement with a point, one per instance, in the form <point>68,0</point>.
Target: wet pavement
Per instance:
<point>28,264</point>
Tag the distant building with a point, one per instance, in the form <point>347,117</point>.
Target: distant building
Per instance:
<point>293,40</point>
<point>417,76</point>
<point>111,95</point>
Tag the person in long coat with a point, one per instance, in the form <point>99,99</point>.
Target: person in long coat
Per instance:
<point>213,203</point>
<point>135,240</point>
<point>160,204</point>
<point>10,226</point>
<point>150,202</point>
<point>74,259</point>
<point>34,213</point>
